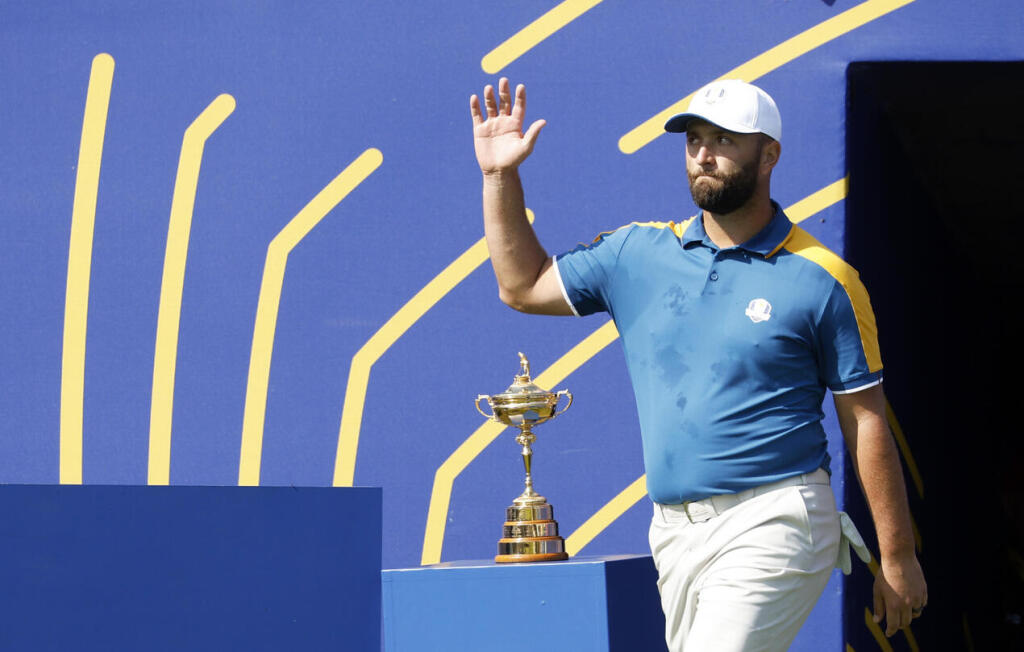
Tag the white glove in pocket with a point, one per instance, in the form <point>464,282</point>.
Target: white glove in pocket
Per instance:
<point>850,537</point>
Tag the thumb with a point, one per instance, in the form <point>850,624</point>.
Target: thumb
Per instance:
<point>533,132</point>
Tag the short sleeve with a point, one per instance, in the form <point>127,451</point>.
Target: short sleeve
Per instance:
<point>848,340</point>
<point>586,272</point>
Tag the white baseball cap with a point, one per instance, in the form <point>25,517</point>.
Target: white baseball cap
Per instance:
<point>733,105</point>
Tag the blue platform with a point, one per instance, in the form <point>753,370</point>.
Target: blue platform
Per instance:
<point>189,568</point>
<point>587,603</point>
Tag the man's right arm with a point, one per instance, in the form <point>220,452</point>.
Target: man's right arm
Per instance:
<point>527,279</point>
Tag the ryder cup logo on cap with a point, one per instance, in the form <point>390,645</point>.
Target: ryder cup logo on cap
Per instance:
<point>733,105</point>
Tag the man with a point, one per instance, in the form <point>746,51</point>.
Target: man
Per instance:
<point>733,322</point>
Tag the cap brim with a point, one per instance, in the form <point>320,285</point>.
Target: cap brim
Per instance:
<point>678,124</point>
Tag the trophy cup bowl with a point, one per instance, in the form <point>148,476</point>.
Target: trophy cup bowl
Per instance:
<point>530,531</point>
<point>523,408</point>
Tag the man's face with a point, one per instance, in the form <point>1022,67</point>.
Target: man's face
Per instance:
<point>722,166</point>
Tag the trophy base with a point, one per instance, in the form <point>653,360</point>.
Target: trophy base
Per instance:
<point>530,534</point>
<point>512,559</point>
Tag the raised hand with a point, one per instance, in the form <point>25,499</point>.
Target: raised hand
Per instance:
<point>498,138</point>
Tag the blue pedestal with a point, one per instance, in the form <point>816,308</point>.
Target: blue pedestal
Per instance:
<point>587,603</point>
<point>189,568</point>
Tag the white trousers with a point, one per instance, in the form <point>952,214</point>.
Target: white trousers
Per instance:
<point>741,572</point>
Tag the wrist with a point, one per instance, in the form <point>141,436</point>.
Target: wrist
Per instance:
<point>501,176</point>
<point>897,555</point>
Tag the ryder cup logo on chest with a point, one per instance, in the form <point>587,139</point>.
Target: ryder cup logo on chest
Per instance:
<point>759,310</point>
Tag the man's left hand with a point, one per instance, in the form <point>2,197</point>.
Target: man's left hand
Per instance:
<point>900,593</point>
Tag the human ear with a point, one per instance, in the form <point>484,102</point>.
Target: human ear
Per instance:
<point>770,152</point>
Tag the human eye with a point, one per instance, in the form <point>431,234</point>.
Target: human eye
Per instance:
<point>724,140</point>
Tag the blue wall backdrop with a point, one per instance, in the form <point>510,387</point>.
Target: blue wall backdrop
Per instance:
<point>241,241</point>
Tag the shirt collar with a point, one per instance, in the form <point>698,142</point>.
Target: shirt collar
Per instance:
<point>766,242</point>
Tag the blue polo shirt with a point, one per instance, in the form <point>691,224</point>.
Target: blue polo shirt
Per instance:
<point>729,350</point>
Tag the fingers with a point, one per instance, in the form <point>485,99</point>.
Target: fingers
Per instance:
<point>917,612</point>
<point>505,99</point>
<point>519,110</point>
<point>879,606</point>
<point>900,594</point>
<point>474,110</point>
<point>896,616</point>
<point>492,107</point>
<point>500,105</point>
<point>896,619</point>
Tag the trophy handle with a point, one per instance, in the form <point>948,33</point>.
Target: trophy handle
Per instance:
<point>477,403</point>
<point>567,405</point>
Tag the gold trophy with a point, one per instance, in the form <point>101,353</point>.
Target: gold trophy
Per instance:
<point>531,532</point>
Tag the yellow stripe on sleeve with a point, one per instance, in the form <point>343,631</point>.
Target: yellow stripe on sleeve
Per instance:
<point>803,244</point>
<point>679,229</point>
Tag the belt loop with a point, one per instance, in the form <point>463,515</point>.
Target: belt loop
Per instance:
<point>686,510</point>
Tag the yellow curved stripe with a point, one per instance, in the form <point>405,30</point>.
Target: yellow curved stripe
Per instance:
<point>528,37</point>
<point>76,296</point>
<point>879,635</point>
<point>876,631</point>
<point>968,639</point>
<point>605,516</point>
<point>904,445</point>
<point>628,497</point>
<point>444,478</point>
<point>165,356</point>
<point>269,302</point>
<point>911,640</point>
<point>381,341</point>
<point>819,201</point>
<point>768,61</point>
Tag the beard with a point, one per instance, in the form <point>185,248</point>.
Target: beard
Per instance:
<point>727,192</point>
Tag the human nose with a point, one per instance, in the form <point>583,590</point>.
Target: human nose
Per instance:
<point>703,156</point>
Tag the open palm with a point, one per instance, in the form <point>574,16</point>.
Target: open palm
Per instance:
<point>498,138</point>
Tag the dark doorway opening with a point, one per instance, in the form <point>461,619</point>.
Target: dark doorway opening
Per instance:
<point>934,224</point>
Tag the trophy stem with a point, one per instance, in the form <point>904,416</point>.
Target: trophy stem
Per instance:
<point>527,458</point>
<point>525,439</point>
